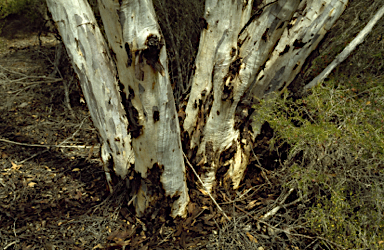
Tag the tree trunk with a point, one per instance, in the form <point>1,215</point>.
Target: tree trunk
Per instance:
<point>241,59</point>
<point>254,57</point>
<point>153,133</point>
<point>92,62</point>
<point>136,40</point>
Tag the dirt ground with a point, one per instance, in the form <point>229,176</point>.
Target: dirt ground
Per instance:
<point>53,193</point>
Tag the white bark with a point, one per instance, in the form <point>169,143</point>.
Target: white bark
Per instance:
<point>91,60</point>
<point>345,53</point>
<point>235,63</point>
<point>207,122</point>
<point>138,44</point>
<point>225,64</point>
<point>308,27</point>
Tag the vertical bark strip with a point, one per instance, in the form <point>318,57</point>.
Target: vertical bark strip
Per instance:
<point>92,63</point>
<point>140,53</point>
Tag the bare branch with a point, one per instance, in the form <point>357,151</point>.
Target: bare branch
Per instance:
<point>345,53</point>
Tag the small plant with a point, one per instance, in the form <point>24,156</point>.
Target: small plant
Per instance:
<point>336,160</point>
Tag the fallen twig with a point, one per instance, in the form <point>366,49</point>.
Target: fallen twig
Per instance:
<point>206,190</point>
<point>45,146</point>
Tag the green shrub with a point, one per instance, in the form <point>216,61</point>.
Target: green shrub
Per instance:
<point>28,7</point>
<point>336,160</point>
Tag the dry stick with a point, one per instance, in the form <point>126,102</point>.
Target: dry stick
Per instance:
<point>276,209</point>
<point>58,52</point>
<point>26,76</point>
<point>206,190</point>
<point>45,146</point>
<point>48,146</point>
<point>286,231</point>
<point>345,53</point>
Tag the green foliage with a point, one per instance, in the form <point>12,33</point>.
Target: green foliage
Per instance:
<point>28,7</point>
<point>336,160</point>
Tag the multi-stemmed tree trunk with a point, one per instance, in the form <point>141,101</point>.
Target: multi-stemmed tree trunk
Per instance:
<point>242,57</point>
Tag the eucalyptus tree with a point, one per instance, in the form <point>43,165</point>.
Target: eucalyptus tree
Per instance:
<point>244,55</point>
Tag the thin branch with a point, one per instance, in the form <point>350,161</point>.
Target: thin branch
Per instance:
<point>206,190</point>
<point>345,53</point>
<point>49,146</point>
<point>45,146</point>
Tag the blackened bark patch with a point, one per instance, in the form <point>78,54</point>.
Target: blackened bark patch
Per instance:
<point>113,55</point>
<point>233,71</point>
<point>203,23</point>
<point>282,86</point>
<point>234,68</point>
<point>233,52</point>
<point>264,37</point>
<point>298,44</point>
<point>133,182</point>
<point>229,153</point>
<point>109,144</point>
<point>156,114</point>
<point>286,49</point>
<point>289,26</point>
<point>152,53</point>
<point>109,165</point>
<point>227,92</point>
<point>154,174</point>
<point>296,65</point>
<point>281,25</point>
<point>208,106</point>
<point>131,93</point>
<point>195,104</point>
<point>161,204</point>
<point>123,96</point>
<point>209,152</point>
<point>213,72</point>
<point>129,54</point>
<point>132,114</point>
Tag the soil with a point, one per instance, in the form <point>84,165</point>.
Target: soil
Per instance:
<point>53,192</point>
